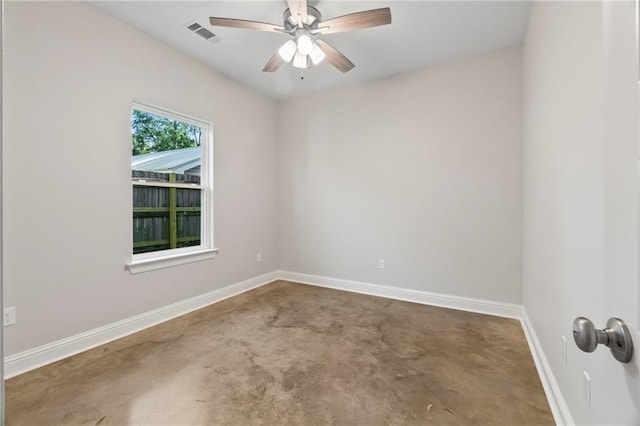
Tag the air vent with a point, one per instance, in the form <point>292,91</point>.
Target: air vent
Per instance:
<point>205,33</point>
<point>202,32</point>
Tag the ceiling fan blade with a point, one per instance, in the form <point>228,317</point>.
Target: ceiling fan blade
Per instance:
<point>298,7</point>
<point>356,21</point>
<point>334,57</point>
<point>274,63</point>
<point>241,23</point>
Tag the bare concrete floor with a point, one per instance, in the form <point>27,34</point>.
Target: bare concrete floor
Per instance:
<point>294,354</point>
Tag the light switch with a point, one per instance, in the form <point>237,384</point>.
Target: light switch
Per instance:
<point>587,389</point>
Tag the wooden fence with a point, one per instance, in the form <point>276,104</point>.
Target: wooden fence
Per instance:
<point>165,218</point>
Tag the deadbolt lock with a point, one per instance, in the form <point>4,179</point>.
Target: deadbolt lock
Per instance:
<point>616,337</point>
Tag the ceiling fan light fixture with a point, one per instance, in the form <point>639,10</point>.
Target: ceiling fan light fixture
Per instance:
<point>300,60</point>
<point>288,50</point>
<point>305,44</point>
<point>316,55</point>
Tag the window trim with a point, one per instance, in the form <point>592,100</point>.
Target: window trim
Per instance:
<point>150,261</point>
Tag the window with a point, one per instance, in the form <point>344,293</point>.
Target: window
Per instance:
<point>172,182</point>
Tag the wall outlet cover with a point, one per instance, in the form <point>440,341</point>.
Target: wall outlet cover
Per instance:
<point>9,316</point>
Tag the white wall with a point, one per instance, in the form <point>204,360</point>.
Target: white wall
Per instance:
<point>563,179</point>
<point>71,73</point>
<point>422,169</point>
<point>580,225</point>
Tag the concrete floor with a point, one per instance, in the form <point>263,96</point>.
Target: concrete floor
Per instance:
<point>293,354</point>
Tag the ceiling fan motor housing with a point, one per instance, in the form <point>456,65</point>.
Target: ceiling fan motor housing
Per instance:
<point>291,22</point>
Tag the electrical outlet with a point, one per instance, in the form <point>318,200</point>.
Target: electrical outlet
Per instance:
<point>9,317</point>
<point>563,349</point>
<point>259,257</point>
<point>382,264</point>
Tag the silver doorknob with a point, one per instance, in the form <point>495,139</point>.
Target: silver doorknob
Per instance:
<point>616,337</point>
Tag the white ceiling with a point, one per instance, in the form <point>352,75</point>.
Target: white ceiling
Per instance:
<point>422,33</point>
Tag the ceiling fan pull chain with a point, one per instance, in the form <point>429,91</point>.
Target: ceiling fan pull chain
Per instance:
<point>301,73</point>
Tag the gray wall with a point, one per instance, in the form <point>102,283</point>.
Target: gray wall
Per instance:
<point>71,73</point>
<point>422,169</point>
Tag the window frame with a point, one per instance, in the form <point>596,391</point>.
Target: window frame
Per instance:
<point>150,261</point>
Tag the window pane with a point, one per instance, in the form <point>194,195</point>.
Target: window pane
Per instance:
<point>188,216</point>
<point>165,150</point>
<point>152,133</point>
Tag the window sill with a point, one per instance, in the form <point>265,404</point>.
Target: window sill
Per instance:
<point>152,264</point>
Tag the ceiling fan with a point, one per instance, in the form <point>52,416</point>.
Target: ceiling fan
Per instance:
<point>304,23</point>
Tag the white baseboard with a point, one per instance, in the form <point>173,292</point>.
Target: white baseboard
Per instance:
<point>559,408</point>
<point>508,310</point>
<point>46,354</point>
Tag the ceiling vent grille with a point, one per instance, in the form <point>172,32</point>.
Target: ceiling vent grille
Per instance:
<point>201,31</point>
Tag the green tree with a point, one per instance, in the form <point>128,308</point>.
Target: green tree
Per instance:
<point>152,133</point>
